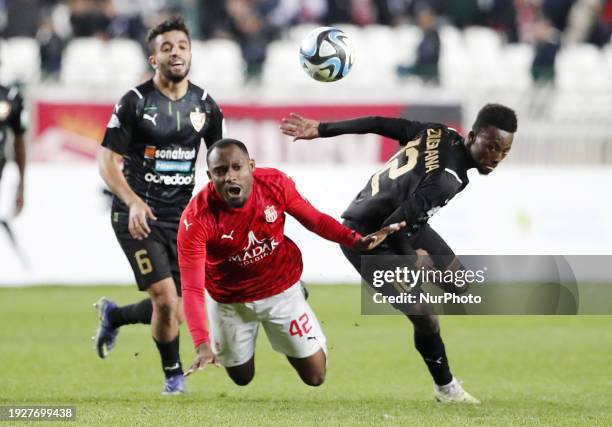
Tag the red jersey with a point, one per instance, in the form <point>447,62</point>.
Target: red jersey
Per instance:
<point>242,254</point>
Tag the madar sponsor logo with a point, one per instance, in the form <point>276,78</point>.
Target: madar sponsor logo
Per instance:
<point>255,250</point>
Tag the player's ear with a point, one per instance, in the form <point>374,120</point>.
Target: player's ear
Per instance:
<point>252,164</point>
<point>153,62</point>
<point>471,138</point>
<point>209,175</point>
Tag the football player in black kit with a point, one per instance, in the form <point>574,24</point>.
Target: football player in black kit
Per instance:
<point>425,174</point>
<point>156,129</point>
<point>12,117</point>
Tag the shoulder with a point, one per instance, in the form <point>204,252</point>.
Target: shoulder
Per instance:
<point>136,93</point>
<point>269,175</point>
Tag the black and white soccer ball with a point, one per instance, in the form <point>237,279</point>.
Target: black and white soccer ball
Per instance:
<point>327,54</point>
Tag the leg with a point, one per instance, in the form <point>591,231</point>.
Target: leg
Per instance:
<point>242,374</point>
<point>311,369</point>
<point>233,332</point>
<point>294,330</point>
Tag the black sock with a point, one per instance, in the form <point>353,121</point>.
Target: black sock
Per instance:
<point>432,350</point>
<point>140,312</point>
<point>171,360</point>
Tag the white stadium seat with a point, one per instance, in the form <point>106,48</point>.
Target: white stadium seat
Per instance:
<point>84,64</point>
<point>127,61</point>
<point>216,63</point>
<point>580,67</point>
<point>19,60</point>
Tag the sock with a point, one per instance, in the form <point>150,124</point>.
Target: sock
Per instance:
<point>140,312</point>
<point>171,361</point>
<point>432,350</point>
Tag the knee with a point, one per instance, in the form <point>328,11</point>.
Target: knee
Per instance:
<point>165,304</point>
<point>426,324</point>
<point>314,380</point>
<point>242,380</point>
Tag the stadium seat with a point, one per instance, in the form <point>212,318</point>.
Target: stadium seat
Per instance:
<point>581,67</point>
<point>127,57</point>
<point>282,66</point>
<point>515,66</point>
<point>19,60</point>
<point>217,63</point>
<point>82,63</point>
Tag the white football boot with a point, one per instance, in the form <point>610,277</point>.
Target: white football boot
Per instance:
<point>453,392</point>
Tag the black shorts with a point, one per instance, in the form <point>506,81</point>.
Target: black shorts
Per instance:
<point>152,259</point>
<point>425,238</point>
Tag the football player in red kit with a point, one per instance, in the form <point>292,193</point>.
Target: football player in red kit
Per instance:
<point>239,269</point>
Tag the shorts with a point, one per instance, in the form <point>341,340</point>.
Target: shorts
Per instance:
<point>153,258</point>
<point>290,324</point>
<point>425,238</point>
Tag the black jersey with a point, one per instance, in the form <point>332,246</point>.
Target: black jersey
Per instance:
<point>11,115</point>
<point>159,139</point>
<point>428,170</point>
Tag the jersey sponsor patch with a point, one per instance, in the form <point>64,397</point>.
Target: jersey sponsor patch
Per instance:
<point>171,166</point>
<point>255,250</point>
<point>176,179</point>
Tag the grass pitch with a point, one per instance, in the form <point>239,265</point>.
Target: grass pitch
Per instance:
<point>526,370</point>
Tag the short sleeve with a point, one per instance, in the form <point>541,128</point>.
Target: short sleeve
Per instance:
<point>121,124</point>
<point>216,130</point>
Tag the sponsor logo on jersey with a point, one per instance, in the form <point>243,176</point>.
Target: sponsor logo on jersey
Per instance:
<point>5,110</point>
<point>176,179</point>
<point>271,214</point>
<point>197,119</point>
<point>255,250</point>
<point>170,166</point>
<point>151,152</point>
<point>150,118</point>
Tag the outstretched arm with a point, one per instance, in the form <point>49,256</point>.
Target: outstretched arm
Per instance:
<point>300,127</point>
<point>192,260</point>
<point>327,227</point>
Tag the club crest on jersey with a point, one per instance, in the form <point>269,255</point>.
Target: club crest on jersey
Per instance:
<point>271,214</point>
<point>5,110</point>
<point>197,119</point>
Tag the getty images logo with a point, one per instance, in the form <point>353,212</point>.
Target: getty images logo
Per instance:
<point>255,250</point>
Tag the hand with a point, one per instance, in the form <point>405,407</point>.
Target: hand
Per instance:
<point>204,357</point>
<point>299,128</point>
<point>369,242</point>
<point>19,200</point>
<point>139,213</point>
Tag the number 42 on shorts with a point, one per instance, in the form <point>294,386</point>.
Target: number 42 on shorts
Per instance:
<point>301,326</point>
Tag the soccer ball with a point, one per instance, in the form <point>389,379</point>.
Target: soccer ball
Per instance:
<point>326,54</point>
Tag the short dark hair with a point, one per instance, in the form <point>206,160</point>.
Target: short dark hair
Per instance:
<point>224,143</point>
<point>497,115</point>
<point>174,23</point>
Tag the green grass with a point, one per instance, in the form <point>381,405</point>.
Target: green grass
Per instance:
<point>526,370</point>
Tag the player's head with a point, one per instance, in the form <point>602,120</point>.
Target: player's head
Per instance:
<point>170,49</point>
<point>491,136</point>
<point>230,168</point>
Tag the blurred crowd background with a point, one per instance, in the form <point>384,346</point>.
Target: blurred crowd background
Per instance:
<point>546,25</point>
<point>437,60</point>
